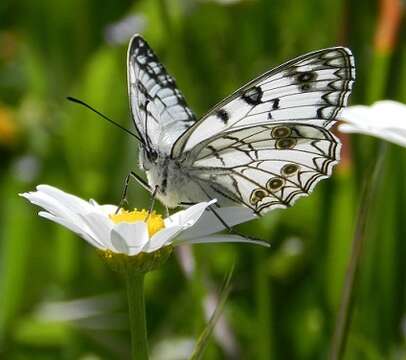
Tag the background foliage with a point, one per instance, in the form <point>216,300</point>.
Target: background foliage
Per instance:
<point>57,298</point>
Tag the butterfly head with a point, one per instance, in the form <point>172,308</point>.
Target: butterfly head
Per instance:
<point>148,158</point>
<point>166,176</point>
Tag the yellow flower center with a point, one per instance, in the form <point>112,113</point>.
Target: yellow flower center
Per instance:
<point>154,220</point>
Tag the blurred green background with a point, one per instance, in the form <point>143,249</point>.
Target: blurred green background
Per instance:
<point>58,300</point>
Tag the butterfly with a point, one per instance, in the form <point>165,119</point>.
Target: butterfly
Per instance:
<point>263,147</point>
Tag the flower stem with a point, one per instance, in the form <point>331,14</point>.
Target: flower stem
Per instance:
<point>136,308</point>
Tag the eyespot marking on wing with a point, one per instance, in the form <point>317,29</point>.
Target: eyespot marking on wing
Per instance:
<point>257,195</point>
<point>275,184</point>
<point>286,143</point>
<point>279,132</point>
<point>289,170</point>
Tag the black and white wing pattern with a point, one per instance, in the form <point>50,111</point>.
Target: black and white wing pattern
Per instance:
<point>268,143</point>
<point>266,166</point>
<point>158,108</point>
<point>312,88</point>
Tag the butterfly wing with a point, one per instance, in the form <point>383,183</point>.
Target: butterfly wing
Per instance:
<point>267,166</point>
<point>312,88</point>
<point>158,108</point>
<point>268,144</point>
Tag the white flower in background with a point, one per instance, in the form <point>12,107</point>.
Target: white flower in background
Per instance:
<point>126,232</point>
<point>384,119</point>
<point>121,31</point>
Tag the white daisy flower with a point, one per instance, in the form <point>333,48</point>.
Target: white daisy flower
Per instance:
<point>126,232</point>
<point>384,119</point>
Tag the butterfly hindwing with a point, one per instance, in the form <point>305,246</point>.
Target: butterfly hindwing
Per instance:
<point>312,88</point>
<point>159,110</point>
<point>267,166</point>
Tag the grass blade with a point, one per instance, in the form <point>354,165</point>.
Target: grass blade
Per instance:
<point>344,315</point>
<point>204,338</point>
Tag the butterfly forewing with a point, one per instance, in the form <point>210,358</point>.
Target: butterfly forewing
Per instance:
<point>268,144</point>
<point>312,88</point>
<point>158,108</point>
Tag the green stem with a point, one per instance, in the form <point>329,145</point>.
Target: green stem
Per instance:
<point>136,308</point>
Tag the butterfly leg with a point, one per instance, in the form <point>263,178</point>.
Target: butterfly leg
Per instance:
<point>139,180</point>
<point>224,223</point>
<point>123,199</point>
<point>152,203</point>
<point>228,227</point>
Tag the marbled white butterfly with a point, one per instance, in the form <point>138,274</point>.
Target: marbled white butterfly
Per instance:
<point>262,147</point>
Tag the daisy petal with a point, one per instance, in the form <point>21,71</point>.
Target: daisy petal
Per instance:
<point>119,244</point>
<point>45,201</point>
<point>72,202</point>
<point>67,224</point>
<point>222,239</point>
<point>188,217</point>
<point>107,209</point>
<point>54,207</point>
<point>99,227</point>
<point>162,238</point>
<point>134,235</point>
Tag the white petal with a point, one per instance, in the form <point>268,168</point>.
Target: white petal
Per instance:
<point>54,207</point>
<point>72,202</point>
<point>189,216</point>
<point>108,209</point>
<point>396,136</point>
<point>73,228</point>
<point>209,223</point>
<point>384,119</point>
<point>347,128</point>
<point>162,238</point>
<point>221,239</point>
<point>134,235</point>
<point>119,245</point>
<point>45,201</point>
<point>99,227</point>
<point>61,204</point>
<point>390,110</point>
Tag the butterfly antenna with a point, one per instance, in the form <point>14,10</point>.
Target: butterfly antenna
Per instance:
<point>80,102</point>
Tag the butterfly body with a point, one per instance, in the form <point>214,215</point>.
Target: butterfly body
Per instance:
<point>263,147</point>
<point>173,179</point>
<point>166,175</point>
